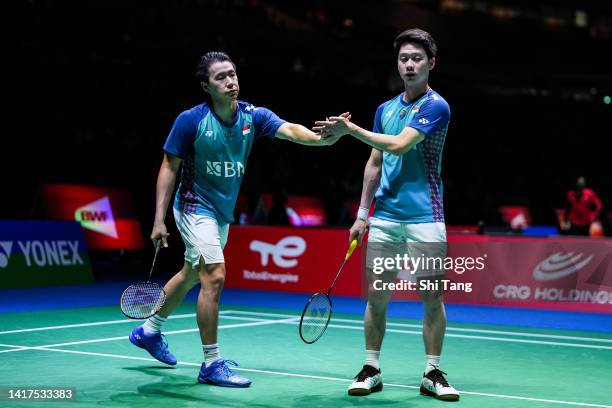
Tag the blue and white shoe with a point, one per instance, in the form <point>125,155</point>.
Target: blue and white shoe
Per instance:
<point>218,373</point>
<point>155,344</point>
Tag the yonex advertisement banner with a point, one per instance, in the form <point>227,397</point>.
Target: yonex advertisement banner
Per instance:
<point>290,260</point>
<point>43,253</point>
<point>107,215</point>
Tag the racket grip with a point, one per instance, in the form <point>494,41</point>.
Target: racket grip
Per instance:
<point>351,249</point>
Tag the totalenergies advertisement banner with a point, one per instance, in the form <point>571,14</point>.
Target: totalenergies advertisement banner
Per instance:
<point>290,260</point>
<point>107,215</point>
<point>43,253</point>
<point>551,273</point>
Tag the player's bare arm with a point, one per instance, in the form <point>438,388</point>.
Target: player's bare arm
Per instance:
<point>371,181</point>
<point>396,145</point>
<point>165,186</point>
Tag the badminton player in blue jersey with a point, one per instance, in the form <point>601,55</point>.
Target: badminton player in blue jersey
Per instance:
<point>403,174</point>
<point>211,142</point>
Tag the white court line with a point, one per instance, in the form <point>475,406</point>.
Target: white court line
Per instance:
<point>70,326</point>
<point>12,348</point>
<point>418,326</point>
<point>260,322</point>
<point>223,312</point>
<point>317,377</point>
<point>294,321</point>
<point>465,336</point>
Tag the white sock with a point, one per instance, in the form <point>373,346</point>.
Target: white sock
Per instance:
<point>211,353</point>
<point>153,324</point>
<point>372,357</point>
<point>433,362</point>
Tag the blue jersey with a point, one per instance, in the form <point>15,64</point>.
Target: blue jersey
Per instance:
<point>410,187</point>
<point>214,156</point>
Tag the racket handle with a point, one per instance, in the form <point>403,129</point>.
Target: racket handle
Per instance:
<point>352,247</point>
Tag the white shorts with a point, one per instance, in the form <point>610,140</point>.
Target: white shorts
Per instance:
<point>428,240</point>
<point>398,232</point>
<point>203,237</point>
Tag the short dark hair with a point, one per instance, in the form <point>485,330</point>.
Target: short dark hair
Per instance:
<point>207,60</point>
<point>418,36</point>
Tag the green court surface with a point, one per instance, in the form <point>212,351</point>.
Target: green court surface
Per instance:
<point>492,366</point>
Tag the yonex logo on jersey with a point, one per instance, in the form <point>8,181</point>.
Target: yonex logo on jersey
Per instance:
<point>5,253</point>
<point>208,133</point>
<point>225,169</point>
<point>288,247</point>
<point>388,114</point>
<point>423,121</point>
<point>98,216</point>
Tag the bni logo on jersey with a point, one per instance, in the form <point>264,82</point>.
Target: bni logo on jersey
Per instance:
<point>98,216</point>
<point>225,169</point>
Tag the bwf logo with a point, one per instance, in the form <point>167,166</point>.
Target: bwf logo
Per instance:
<point>5,253</point>
<point>98,216</point>
<point>288,247</point>
<point>225,169</point>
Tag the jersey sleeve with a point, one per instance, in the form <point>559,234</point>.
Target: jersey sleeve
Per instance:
<point>182,135</point>
<point>266,123</point>
<point>432,116</point>
<point>377,127</point>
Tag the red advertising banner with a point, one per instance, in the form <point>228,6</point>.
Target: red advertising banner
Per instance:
<point>546,273</point>
<point>550,273</point>
<point>290,260</point>
<point>107,215</point>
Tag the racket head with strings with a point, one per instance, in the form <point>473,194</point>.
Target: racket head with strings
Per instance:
<point>142,300</point>
<point>315,317</point>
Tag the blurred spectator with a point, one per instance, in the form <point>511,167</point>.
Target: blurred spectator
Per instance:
<point>584,208</point>
<point>278,211</point>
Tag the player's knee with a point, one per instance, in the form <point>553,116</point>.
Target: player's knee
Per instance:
<point>377,299</point>
<point>432,300</point>
<point>213,276</point>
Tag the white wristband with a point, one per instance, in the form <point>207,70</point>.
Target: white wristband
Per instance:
<point>363,213</point>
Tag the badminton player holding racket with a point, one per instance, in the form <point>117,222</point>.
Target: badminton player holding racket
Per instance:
<point>403,172</point>
<point>212,142</point>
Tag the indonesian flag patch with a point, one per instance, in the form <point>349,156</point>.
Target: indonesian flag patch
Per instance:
<point>246,130</point>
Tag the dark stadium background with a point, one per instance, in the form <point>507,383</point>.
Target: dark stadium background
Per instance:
<point>93,89</point>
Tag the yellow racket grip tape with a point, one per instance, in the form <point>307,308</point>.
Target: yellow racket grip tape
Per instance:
<point>351,249</point>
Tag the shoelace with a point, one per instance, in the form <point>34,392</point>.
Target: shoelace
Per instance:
<point>226,370</point>
<point>163,346</point>
<point>437,376</point>
<point>365,373</point>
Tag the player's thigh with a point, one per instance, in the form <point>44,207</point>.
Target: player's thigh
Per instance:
<point>385,241</point>
<point>204,239</point>
<point>427,247</point>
